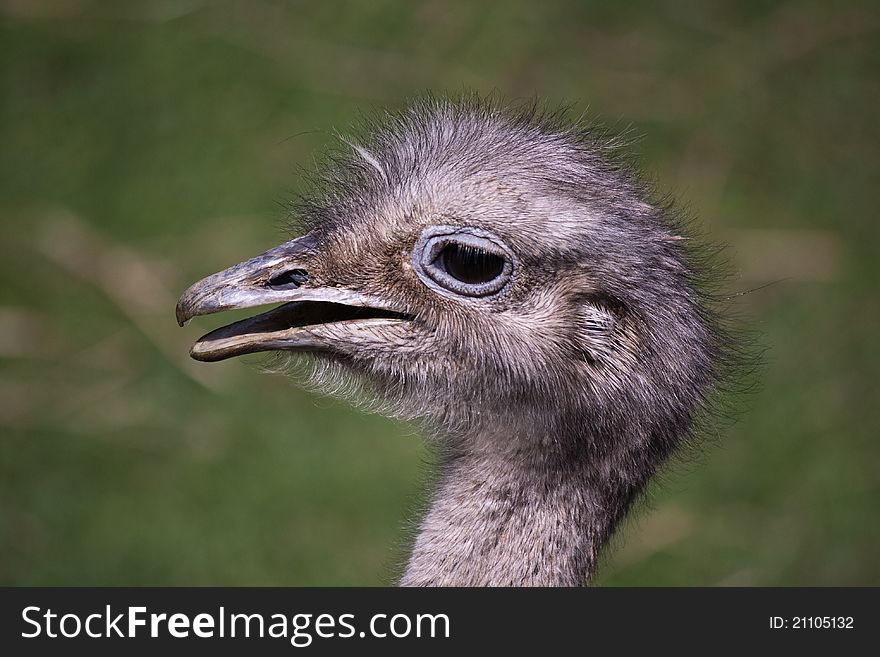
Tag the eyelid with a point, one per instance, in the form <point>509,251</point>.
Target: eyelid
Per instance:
<point>440,242</point>
<point>432,242</point>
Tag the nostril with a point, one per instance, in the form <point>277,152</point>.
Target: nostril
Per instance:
<point>288,280</point>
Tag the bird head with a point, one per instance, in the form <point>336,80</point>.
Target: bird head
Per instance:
<point>471,264</point>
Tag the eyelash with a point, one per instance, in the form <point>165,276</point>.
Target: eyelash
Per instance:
<point>470,265</point>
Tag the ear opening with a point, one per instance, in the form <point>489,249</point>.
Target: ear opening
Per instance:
<point>597,319</point>
<point>605,335</point>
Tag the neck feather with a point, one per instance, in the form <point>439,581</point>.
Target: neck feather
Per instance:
<point>521,512</point>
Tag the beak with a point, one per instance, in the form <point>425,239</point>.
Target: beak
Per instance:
<point>282,275</point>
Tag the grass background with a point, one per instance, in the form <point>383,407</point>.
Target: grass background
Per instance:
<point>145,144</point>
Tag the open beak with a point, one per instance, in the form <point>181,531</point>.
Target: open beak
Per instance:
<point>311,318</point>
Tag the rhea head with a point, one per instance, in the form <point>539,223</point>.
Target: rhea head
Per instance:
<point>489,272</point>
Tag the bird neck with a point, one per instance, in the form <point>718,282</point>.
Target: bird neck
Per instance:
<point>520,512</point>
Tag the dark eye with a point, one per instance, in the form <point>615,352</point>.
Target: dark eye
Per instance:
<point>463,262</point>
<point>469,264</point>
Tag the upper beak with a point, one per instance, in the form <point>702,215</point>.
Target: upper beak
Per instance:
<point>280,275</point>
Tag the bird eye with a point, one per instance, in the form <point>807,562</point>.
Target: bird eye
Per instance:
<point>464,261</point>
<point>470,265</point>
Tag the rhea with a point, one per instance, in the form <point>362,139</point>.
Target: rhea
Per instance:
<point>500,276</point>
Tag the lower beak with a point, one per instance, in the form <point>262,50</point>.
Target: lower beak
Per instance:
<point>312,317</point>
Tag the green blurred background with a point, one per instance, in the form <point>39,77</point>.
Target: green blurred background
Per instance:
<point>146,144</point>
